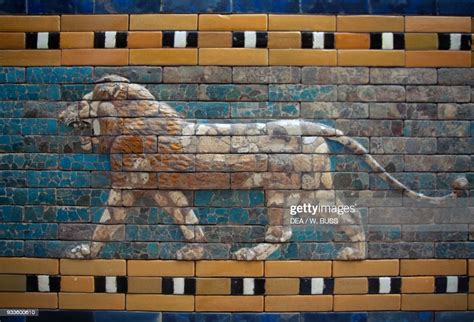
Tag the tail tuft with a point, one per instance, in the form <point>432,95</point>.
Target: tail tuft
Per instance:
<point>459,185</point>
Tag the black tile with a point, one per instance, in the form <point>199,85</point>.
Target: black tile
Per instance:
<point>99,284</point>
<point>168,39</point>
<point>466,42</point>
<point>99,39</point>
<point>259,286</point>
<point>441,284</point>
<point>192,39</point>
<point>31,40</point>
<point>236,286</point>
<point>305,286</point>
<point>122,284</point>
<point>328,286</point>
<point>31,283</point>
<point>395,285</point>
<point>121,39</point>
<point>190,286</point>
<point>54,283</point>
<point>262,39</point>
<point>328,40</point>
<point>167,285</point>
<point>463,284</point>
<point>376,40</point>
<point>374,285</point>
<point>398,40</point>
<point>444,41</point>
<point>53,40</point>
<point>306,39</point>
<point>238,39</point>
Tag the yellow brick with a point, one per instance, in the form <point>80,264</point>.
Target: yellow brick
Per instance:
<point>229,268</point>
<point>416,267</point>
<point>302,22</point>
<point>29,23</point>
<point>229,303</point>
<point>12,283</point>
<point>94,22</point>
<point>214,39</point>
<point>435,302</point>
<point>298,303</point>
<point>233,56</point>
<point>160,268</point>
<point>30,57</point>
<point>421,41</point>
<point>437,24</point>
<point>28,300</point>
<point>437,58</point>
<point>388,267</point>
<point>386,302</point>
<point>91,301</point>
<point>213,286</point>
<point>357,285</point>
<point>303,57</point>
<point>232,22</point>
<point>470,302</point>
<point>12,40</point>
<point>94,267</point>
<point>72,40</point>
<point>370,23</point>
<point>284,40</point>
<point>144,285</point>
<point>423,284</point>
<point>471,285</point>
<point>163,22</point>
<point>160,302</point>
<point>165,56</point>
<point>471,267</point>
<point>371,57</point>
<point>28,265</point>
<point>138,39</point>
<point>297,268</point>
<point>352,41</point>
<point>282,286</point>
<point>82,284</point>
<point>98,57</point>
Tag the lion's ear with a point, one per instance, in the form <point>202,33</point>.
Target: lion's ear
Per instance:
<point>112,79</point>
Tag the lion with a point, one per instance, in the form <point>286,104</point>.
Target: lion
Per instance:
<point>157,154</point>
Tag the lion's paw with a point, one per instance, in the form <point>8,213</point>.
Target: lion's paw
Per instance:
<point>190,252</point>
<point>80,251</point>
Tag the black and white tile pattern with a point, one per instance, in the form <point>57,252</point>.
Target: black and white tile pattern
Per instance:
<point>447,41</point>
<point>43,283</point>
<point>317,40</point>
<point>249,39</point>
<point>110,39</point>
<point>316,285</point>
<point>42,40</point>
<point>178,285</point>
<point>180,39</point>
<point>387,41</point>
<point>247,286</point>
<point>111,284</point>
<point>451,284</point>
<point>384,285</point>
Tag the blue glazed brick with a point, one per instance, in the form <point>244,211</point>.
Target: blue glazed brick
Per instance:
<point>154,233</point>
<point>335,7</point>
<point>13,196</point>
<point>210,251</point>
<point>11,143</point>
<point>75,92</point>
<point>453,317</point>
<point>266,6</point>
<point>39,126</point>
<point>11,213</point>
<point>101,180</point>
<point>130,250</point>
<point>196,6</point>
<point>12,6</point>
<point>127,6</point>
<point>107,316</point>
<point>12,179</point>
<point>56,179</point>
<point>307,233</point>
<point>317,250</point>
<point>28,231</point>
<point>179,92</point>
<point>40,214</point>
<point>266,317</point>
<point>229,198</point>
<point>264,110</point>
<point>204,110</point>
<point>50,248</point>
<point>73,214</point>
<point>242,216</point>
<point>29,92</point>
<point>136,74</point>
<point>12,74</point>
<point>458,8</point>
<point>53,75</point>
<point>232,92</point>
<point>11,109</point>
<point>99,162</point>
<point>401,316</point>
<point>305,93</point>
<point>413,180</point>
<point>11,248</point>
<point>335,317</point>
<point>67,315</point>
<point>41,196</point>
<point>41,161</point>
<point>82,197</point>
<point>10,126</point>
<point>454,250</point>
<point>64,6</point>
<point>418,7</point>
<point>38,109</point>
<point>198,317</point>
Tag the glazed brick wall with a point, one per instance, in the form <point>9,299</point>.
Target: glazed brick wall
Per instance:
<point>416,122</point>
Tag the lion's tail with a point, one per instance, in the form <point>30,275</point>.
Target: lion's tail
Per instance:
<point>458,185</point>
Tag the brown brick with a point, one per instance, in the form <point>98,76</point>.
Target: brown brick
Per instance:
<point>101,57</point>
<point>194,181</point>
<point>101,267</point>
<point>303,57</point>
<point>297,268</point>
<point>12,283</point>
<point>160,302</point>
<point>470,302</point>
<point>423,284</point>
<point>437,24</point>
<point>229,303</point>
<point>165,56</point>
<point>73,40</point>
<point>471,285</point>
<point>421,41</point>
<point>438,58</point>
<point>370,23</point>
<point>213,286</point>
<point>91,301</point>
<point>29,300</point>
<point>385,267</point>
<point>352,41</point>
<point>12,40</point>
<point>435,302</point>
<point>416,267</point>
<point>298,303</point>
<point>94,22</point>
<point>233,56</point>
<point>371,57</point>
<point>356,285</point>
<point>29,23</point>
<point>369,302</point>
<point>81,284</point>
<point>29,266</point>
<point>148,39</point>
<point>284,40</point>
<point>144,285</point>
<point>227,268</point>
<point>301,22</point>
<point>160,268</point>
<point>30,57</point>
<point>215,22</point>
<point>214,39</point>
<point>282,286</point>
<point>471,267</point>
<point>163,22</point>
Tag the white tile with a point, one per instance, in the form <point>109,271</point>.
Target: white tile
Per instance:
<point>249,286</point>
<point>455,42</point>
<point>317,285</point>
<point>451,284</point>
<point>387,40</point>
<point>180,39</point>
<point>178,285</point>
<point>111,284</point>
<point>384,285</point>
<point>42,42</point>
<point>250,39</point>
<point>110,37</point>
<point>43,283</point>
<point>318,40</point>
